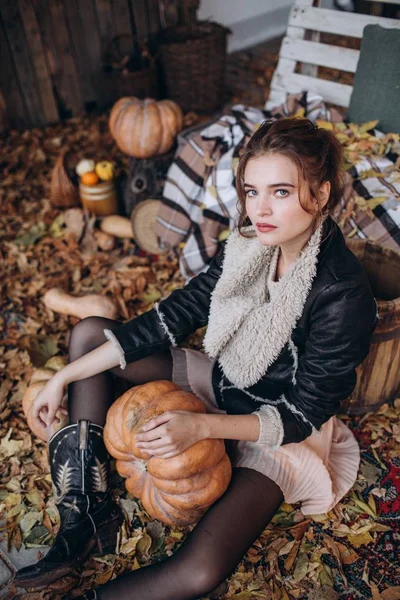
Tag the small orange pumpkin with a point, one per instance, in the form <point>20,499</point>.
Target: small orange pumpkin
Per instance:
<point>145,128</point>
<point>178,490</point>
<point>37,382</point>
<point>89,178</point>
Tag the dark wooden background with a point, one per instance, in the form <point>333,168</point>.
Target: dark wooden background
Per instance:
<point>51,53</point>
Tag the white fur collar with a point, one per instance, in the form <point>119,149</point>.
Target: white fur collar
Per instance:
<point>247,329</point>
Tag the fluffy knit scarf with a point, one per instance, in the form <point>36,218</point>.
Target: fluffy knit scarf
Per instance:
<point>248,328</point>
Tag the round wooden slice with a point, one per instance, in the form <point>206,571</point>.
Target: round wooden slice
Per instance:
<point>143,219</point>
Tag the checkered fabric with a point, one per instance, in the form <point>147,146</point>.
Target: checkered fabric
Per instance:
<point>200,201</point>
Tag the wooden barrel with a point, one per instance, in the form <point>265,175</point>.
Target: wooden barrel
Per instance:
<point>100,199</point>
<point>378,377</point>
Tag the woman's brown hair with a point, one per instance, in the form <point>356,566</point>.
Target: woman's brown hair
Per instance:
<point>316,152</point>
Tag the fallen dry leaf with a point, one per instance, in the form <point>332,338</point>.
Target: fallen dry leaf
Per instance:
<point>391,593</point>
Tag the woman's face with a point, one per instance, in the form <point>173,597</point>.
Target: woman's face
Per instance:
<point>271,184</point>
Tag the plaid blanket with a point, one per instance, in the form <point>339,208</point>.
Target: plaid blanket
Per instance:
<point>200,201</point>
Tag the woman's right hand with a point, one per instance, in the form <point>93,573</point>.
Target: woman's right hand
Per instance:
<point>47,402</point>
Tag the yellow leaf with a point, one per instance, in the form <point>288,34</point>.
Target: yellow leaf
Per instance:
<point>144,545</point>
<point>299,114</point>
<point>16,510</point>
<point>367,126</point>
<point>360,540</point>
<point>376,201</point>
<point>57,228</point>
<point>224,235</point>
<point>151,296</point>
<point>176,535</point>
<point>12,500</point>
<point>105,576</point>
<point>35,498</point>
<point>325,576</point>
<point>286,548</point>
<point>301,567</point>
<point>371,503</point>
<point>361,203</point>
<point>342,137</point>
<point>320,518</point>
<point>135,564</point>
<point>355,509</point>
<point>353,232</point>
<point>380,527</point>
<point>363,506</point>
<point>130,545</point>
<point>378,459</point>
<point>324,124</point>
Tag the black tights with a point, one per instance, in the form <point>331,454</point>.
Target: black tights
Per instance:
<point>221,538</point>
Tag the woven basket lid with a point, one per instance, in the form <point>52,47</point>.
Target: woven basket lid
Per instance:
<point>143,218</point>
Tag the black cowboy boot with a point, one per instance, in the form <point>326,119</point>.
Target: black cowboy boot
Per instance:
<point>79,465</point>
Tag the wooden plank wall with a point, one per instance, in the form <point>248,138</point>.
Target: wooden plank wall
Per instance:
<point>51,53</point>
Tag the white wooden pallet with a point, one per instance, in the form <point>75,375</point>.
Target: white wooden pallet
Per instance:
<point>312,54</point>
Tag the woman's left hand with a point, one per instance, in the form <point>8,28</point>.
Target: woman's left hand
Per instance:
<point>171,433</point>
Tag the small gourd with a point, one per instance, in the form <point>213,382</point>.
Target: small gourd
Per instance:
<point>89,178</point>
<point>91,305</point>
<point>117,225</point>
<point>37,382</point>
<point>84,166</point>
<point>105,170</point>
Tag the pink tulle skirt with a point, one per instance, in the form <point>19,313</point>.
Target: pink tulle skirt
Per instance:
<point>316,472</point>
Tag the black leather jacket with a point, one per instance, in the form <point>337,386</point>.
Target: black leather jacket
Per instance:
<point>332,338</point>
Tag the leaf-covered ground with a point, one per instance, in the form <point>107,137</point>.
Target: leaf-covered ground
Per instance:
<point>350,553</point>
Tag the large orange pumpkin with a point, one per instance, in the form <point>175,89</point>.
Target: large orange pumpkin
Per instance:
<point>145,128</point>
<point>177,490</point>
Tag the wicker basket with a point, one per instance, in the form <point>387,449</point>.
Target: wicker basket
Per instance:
<point>142,83</point>
<point>193,59</point>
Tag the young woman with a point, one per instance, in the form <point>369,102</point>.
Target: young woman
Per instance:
<point>290,315</point>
